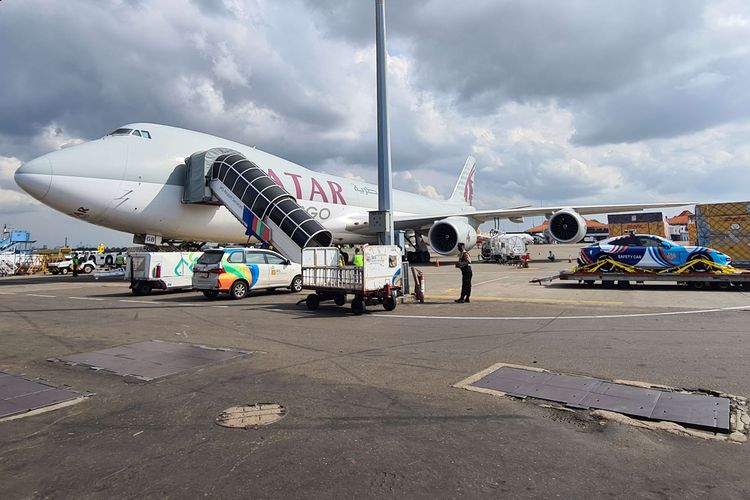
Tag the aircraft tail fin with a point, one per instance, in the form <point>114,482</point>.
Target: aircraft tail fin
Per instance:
<point>464,190</point>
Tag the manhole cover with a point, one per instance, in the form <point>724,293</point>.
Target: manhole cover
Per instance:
<point>251,416</point>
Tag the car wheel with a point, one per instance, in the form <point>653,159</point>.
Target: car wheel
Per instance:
<point>88,269</point>
<point>210,294</point>
<point>296,285</point>
<point>109,260</point>
<point>699,267</point>
<point>313,301</point>
<point>63,270</point>
<point>358,306</point>
<point>238,290</point>
<point>608,267</point>
<point>339,300</point>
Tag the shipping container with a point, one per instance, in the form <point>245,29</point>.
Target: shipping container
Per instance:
<point>637,217</point>
<point>657,228</point>
<point>692,232</point>
<point>725,227</point>
<point>639,223</point>
<point>714,209</point>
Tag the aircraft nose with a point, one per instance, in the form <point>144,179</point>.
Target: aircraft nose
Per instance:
<point>35,177</point>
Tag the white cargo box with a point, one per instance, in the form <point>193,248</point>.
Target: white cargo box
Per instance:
<point>382,267</point>
<point>162,270</point>
<point>320,257</point>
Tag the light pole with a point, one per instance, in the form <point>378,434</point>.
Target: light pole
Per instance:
<point>385,195</point>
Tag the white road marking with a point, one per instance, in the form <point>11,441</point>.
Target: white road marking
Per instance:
<point>219,306</point>
<point>41,295</point>
<point>538,318</point>
<point>84,298</point>
<point>490,281</point>
<point>7,293</point>
<point>139,302</point>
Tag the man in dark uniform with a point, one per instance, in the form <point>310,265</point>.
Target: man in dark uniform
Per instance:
<point>74,264</point>
<point>464,264</point>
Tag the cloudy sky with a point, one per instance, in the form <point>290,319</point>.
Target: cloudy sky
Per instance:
<point>577,101</point>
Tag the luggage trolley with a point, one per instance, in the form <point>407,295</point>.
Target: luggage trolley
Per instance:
<point>378,281</point>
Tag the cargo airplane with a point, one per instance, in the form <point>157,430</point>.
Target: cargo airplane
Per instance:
<point>132,180</point>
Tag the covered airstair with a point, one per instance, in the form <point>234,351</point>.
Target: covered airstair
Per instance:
<point>15,241</point>
<point>268,212</point>
<point>15,251</point>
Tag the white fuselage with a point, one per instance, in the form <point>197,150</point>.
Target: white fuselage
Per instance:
<point>134,184</point>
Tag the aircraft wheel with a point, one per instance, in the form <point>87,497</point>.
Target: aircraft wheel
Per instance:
<point>313,301</point>
<point>238,290</point>
<point>358,306</point>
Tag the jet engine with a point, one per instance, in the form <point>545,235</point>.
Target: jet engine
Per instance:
<point>567,226</point>
<point>446,234</point>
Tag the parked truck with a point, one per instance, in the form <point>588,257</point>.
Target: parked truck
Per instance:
<point>149,271</point>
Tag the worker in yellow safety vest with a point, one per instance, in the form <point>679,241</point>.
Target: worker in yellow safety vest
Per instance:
<point>359,259</point>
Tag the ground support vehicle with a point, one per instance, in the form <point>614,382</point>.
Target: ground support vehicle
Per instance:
<point>160,270</point>
<point>697,274</point>
<point>503,248</point>
<point>378,281</point>
<point>66,266</point>
<point>237,271</point>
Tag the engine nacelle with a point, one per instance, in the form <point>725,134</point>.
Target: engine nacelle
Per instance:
<point>446,234</point>
<point>567,226</point>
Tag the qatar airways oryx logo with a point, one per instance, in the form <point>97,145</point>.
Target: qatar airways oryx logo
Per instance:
<point>469,188</point>
<point>310,189</point>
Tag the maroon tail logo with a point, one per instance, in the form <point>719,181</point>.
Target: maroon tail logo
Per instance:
<point>469,188</point>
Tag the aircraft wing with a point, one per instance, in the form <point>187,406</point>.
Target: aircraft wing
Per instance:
<point>423,221</point>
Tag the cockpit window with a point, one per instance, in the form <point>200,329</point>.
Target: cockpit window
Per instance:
<point>130,131</point>
<point>122,131</point>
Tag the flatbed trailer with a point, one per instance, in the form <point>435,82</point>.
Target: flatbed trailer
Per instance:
<point>709,275</point>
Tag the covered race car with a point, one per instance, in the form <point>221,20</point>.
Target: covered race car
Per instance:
<point>650,252</point>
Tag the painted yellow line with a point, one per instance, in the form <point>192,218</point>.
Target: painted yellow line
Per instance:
<point>532,300</point>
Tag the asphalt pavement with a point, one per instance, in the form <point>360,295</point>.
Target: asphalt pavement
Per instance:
<point>372,411</point>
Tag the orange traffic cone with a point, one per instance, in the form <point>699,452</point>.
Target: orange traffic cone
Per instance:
<point>570,260</point>
<point>437,262</point>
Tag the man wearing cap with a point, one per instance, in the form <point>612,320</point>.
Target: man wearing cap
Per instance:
<point>464,264</point>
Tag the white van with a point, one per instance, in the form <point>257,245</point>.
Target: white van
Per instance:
<point>236,271</point>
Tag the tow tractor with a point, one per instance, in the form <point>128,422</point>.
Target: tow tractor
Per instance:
<point>697,274</point>
<point>378,281</point>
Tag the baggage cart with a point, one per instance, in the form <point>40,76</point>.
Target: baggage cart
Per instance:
<point>378,281</point>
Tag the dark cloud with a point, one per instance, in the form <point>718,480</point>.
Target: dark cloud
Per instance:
<point>669,106</point>
<point>603,59</point>
<point>537,90</point>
